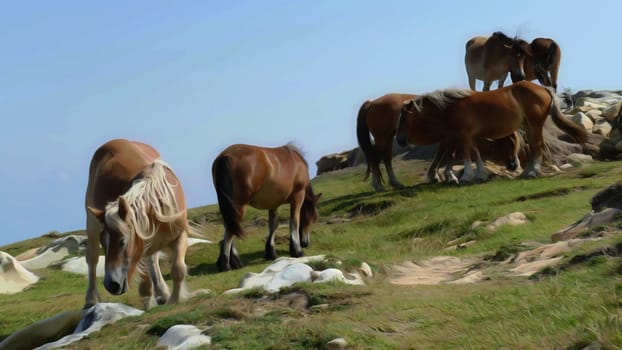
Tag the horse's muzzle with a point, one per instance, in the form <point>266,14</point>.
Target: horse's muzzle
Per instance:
<point>115,287</point>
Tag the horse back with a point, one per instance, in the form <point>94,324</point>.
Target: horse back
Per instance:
<point>383,114</point>
<point>113,167</point>
<point>266,177</point>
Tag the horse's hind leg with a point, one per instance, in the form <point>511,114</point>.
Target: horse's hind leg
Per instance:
<point>92,257</point>
<point>395,183</point>
<point>480,174</point>
<point>178,268</point>
<point>376,176</point>
<point>536,143</point>
<point>294,221</point>
<point>273,223</point>
<point>228,258</point>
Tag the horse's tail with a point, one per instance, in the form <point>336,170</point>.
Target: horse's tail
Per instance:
<point>364,140</point>
<point>576,131</point>
<point>223,183</point>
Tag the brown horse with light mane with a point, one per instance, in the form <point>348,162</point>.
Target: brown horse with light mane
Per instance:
<point>264,178</point>
<point>379,118</point>
<point>135,208</point>
<point>491,58</point>
<point>543,63</point>
<point>458,118</point>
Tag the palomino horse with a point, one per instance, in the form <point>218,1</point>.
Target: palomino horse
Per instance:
<point>264,178</point>
<point>379,117</point>
<point>543,64</point>
<point>490,59</point>
<point>458,118</point>
<point>135,208</point>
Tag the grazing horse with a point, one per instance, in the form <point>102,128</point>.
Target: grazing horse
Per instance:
<point>458,118</point>
<point>135,207</point>
<point>379,118</point>
<point>490,59</point>
<point>543,64</point>
<point>264,178</point>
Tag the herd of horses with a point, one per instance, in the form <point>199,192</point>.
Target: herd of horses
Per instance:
<point>136,207</point>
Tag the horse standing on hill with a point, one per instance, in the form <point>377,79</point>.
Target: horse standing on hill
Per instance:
<point>490,59</point>
<point>543,63</point>
<point>264,178</point>
<point>458,118</point>
<point>135,208</point>
<point>379,118</point>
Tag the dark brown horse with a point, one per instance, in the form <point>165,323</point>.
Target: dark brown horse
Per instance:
<point>135,208</point>
<point>263,178</point>
<point>379,118</point>
<point>490,59</point>
<point>543,63</point>
<point>458,118</point>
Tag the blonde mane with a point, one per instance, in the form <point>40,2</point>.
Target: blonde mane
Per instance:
<point>444,98</point>
<point>151,195</point>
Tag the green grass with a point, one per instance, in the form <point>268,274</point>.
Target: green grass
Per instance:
<point>567,307</point>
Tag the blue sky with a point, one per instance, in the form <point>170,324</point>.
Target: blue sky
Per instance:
<point>193,77</point>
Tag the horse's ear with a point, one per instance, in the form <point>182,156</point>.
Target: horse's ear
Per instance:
<point>99,214</point>
<point>124,208</point>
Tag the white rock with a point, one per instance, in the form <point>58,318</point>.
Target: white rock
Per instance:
<point>566,166</point>
<point>337,344</point>
<point>55,252</point>
<point>331,274</point>
<point>602,127</point>
<point>582,119</point>
<point>578,159</point>
<point>78,265</point>
<point>611,112</point>
<point>183,337</point>
<point>366,270</point>
<point>13,276</point>
<point>594,114</point>
<point>513,219</point>
<point>95,318</point>
<point>291,274</point>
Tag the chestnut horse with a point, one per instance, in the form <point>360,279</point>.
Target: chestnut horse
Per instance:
<point>543,64</point>
<point>264,178</point>
<point>379,118</point>
<point>135,208</point>
<point>458,118</point>
<point>490,59</point>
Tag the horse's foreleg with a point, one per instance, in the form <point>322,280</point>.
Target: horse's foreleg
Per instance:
<point>273,223</point>
<point>481,173</point>
<point>294,222</point>
<point>501,80</point>
<point>467,175</point>
<point>159,285</point>
<point>178,268</point>
<point>145,288</point>
<point>487,85</point>
<point>439,156</point>
<point>92,257</point>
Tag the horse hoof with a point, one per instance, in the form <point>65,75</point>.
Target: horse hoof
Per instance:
<point>270,255</point>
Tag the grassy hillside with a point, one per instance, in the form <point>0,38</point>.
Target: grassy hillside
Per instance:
<point>566,308</point>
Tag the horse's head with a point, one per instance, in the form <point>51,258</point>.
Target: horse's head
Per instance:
<point>515,49</point>
<point>308,215</point>
<point>404,123</point>
<point>120,248</point>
